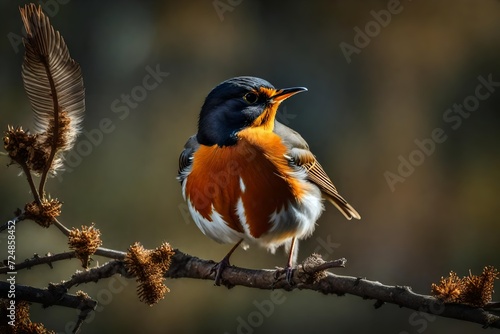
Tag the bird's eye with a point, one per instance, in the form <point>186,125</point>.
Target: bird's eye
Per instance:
<point>251,98</point>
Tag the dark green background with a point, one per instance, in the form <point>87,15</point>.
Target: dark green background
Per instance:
<point>358,118</point>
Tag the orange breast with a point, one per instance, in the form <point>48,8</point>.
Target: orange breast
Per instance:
<point>254,170</point>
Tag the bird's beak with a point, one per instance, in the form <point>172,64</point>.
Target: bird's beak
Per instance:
<point>283,94</point>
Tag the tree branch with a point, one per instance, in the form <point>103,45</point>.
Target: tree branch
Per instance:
<point>184,265</point>
<point>31,183</point>
<point>49,259</point>
<point>46,297</point>
<point>308,276</point>
<point>38,260</point>
<point>95,274</point>
<point>49,297</point>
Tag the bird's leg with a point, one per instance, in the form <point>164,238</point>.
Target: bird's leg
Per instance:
<point>288,270</point>
<point>223,264</point>
<point>289,266</point>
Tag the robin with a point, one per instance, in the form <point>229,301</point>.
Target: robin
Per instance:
<point>248,178</point>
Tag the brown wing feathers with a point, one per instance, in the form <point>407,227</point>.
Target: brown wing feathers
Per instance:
<point>300,155</point>
<point>318,176</point>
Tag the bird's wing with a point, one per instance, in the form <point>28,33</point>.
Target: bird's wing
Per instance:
<point>300,156</point>
<point>186,157</point>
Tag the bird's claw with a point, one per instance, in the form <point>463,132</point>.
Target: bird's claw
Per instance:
<point>218,269</point>
<point>287,272</point>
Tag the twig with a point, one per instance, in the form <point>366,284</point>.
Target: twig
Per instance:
<point>340,263</point>
<point>51,296</point>
<point>61,227</point>
<point>35,193</point>
<point>95,274</point>
<point>21,217</point>
<point>38,260</point>
<point>16,220</point>
<point>47,297</point>
<point>84,313</point>
<point>51,258</point>
<point>492,305</point>
<point>110,253</point>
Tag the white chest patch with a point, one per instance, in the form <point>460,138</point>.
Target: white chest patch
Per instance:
<point>217,228</point>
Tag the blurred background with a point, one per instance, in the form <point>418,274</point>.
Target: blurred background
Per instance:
<point>378,81</point>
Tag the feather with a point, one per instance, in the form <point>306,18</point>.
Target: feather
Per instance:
<point>185,159</point>
<point>54,85</point>
<point>300,156</point>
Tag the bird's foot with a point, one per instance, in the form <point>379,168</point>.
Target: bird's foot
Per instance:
<point>218,269</point>
<point>287,272</point>
<point>289,275</point>
<point>223,264</point>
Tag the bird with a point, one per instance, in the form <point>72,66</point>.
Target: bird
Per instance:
<point>248,178</point>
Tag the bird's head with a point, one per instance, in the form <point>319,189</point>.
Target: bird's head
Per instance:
<point>236,104</point>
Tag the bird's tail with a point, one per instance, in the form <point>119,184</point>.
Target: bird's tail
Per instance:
<point>345,208</point>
